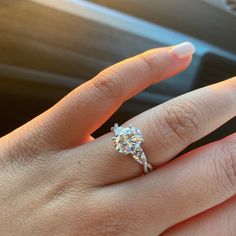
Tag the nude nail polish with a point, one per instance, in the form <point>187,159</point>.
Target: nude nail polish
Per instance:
<point>183,50</point>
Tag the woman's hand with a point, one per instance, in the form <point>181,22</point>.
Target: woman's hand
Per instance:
<point>55,179</point>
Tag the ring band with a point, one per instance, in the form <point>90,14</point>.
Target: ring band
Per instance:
<point>128,141</point>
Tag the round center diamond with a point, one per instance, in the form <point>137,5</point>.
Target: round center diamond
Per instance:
<point>127,140</point>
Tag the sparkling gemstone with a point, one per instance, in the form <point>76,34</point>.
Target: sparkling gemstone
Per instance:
<point>127,140</point>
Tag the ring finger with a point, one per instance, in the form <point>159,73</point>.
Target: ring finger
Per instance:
<point>167,129</point>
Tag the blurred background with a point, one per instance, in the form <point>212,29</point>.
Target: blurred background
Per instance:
<point>48,47</point>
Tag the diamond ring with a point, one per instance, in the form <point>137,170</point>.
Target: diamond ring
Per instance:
<point>128,141</point>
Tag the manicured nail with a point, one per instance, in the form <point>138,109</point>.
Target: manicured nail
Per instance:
<point>183,50</point>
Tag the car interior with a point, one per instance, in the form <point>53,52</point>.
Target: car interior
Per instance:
<point>47,48</point>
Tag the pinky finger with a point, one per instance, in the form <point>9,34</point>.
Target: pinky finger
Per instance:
<point>219,220</point>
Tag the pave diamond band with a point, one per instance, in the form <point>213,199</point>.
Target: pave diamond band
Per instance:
<point>128,141</point>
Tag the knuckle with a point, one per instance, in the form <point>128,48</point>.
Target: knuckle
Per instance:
<point>148,60</point>
<point>109,83</point>
<point>24,150</point>
<point>181,120</point>
<point>225,166</point>
<point>19,154</point>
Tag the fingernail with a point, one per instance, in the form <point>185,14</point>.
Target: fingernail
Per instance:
<point>183,50</point>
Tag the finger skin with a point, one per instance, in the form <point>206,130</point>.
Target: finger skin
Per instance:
<point>71,121</point>
<point>167,129</point>
<point>95,101</point>
<point>218,221</point>
<point>183,188</point>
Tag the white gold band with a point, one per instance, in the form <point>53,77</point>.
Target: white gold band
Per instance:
<point>141,158</point>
